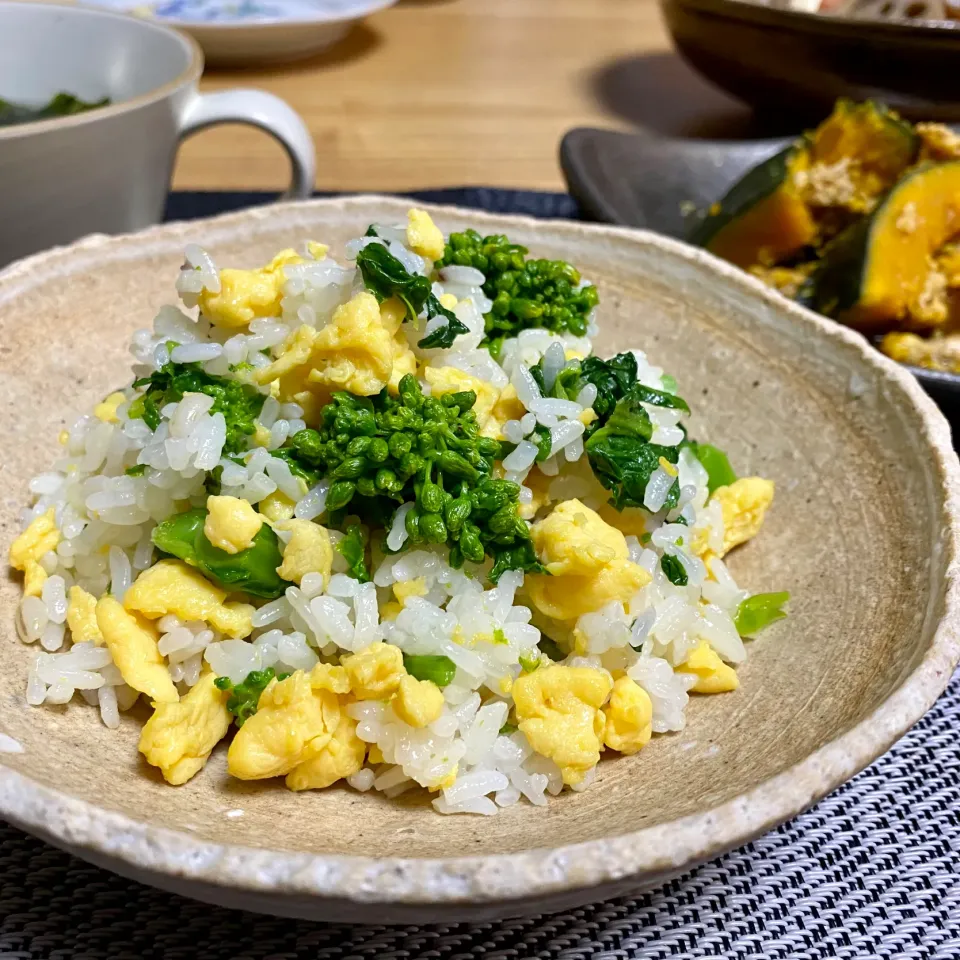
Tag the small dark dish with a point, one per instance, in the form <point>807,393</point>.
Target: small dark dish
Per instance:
<point>665,184</point>
<point>782,59</point>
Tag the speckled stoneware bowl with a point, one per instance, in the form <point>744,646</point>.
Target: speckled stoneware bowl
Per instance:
<point>863,533</point>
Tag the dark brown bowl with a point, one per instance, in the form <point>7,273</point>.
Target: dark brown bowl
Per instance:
<point>782,59</point>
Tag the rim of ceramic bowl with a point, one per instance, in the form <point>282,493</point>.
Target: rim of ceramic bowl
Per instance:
<point>363,8</point>
<point>190,73</point>
<point>649,854</point>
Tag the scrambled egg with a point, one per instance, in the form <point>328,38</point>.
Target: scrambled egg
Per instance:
<point>309,551</point>
<point>628,723</point>
<point>424,237</point>
<point>39,538</point>
<point>170,586</point>
<point>360,350</point>
<point>713,675</point>
<point>354,351</point>
<point>107,409</point>
<point>294,722</point>
<point>278,506</point>
<point>231,524</point>
<point>375,672</point>
<point>588,561</point>
<point>341,757</point>
<point>445,380</point>
<point>179,737</point>
<point>82,617</point>
<point>558,711</point>
<point>132,642</point>
<point>410,588</point>
<point>507,407</point>
<point>743,504</point>
<point>418,702</point>
<point>631,521</point>
<point>246,295</point>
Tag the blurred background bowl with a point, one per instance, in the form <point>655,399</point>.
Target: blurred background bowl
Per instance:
<point>237,33</point>
<point>786,60</point>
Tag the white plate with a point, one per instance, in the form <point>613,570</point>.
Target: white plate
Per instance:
<point>243,32</point>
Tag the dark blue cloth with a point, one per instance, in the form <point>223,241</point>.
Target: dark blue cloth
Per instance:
<point>190,204</point>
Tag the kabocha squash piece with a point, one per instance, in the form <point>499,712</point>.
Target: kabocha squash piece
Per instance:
<point>855,156</point>
<point>881,270</point>
<point>789,202</point>
<point>762,219</point>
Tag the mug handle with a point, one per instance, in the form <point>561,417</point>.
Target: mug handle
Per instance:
<point>258,109</point>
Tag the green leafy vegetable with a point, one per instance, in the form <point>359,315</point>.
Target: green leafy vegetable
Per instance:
<point>525,293</point>
<point>385,276</point>
<point>379,452</point>
<point>759,611</point>
<point>508,728</point>
<point>61,105</point>
<point>239,403</point>
<point>252,571</point>
<point>352,547</point>
<point>675,571</point>
<point>138,470</point>
<point>245,696</point>
<point>669,383</point>
<point>310,475</point>
<point>438,670</point>
<point>715,462</point>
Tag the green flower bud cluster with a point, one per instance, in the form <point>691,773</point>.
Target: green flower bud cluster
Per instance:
<point>423,450</point>
<point>525,293</point>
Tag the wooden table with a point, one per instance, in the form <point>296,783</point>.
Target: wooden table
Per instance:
<point>455,93</point>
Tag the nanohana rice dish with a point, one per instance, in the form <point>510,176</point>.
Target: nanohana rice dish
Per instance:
<point>388,520</point>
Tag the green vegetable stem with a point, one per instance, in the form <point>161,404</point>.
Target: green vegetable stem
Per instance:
<point>759,611</point>
<point>252,571</point>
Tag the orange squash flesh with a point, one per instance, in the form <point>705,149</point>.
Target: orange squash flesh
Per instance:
<point>913,223</point>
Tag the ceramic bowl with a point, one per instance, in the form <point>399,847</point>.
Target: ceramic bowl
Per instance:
<point>108,170</point>
<point>786,60</point>
<point>236,33</point>
<point>864,533</point>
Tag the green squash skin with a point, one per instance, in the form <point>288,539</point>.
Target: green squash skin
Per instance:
<point>748,191</point>
<point>837,283</point>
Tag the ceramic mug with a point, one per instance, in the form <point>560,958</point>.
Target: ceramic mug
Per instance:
<point>108,170</point>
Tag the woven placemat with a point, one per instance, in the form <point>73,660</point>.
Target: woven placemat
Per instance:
<point>871,871</point>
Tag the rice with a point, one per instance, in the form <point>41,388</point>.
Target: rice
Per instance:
<point>122,474</point>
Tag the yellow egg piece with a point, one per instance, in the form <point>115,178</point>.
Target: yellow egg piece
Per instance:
<point>246,295</point>
<point>293,723</point>
<point>713,675</point>
<point>744,504</point>
<point>410,588</point>
<point>231,524</point>
<point>342,757</point>
<point>588,562</point>
<point>628,723</point>
<point>558,710</point>
<point>82,617</point>
<point>106,410</point>
<point>354,351</point>
<point>424,237</point>
<point>40,537</point>
<point>132,642</point>
<point>308,551</point>
<point>171,587</point>
<point>375,672</point>
<point>418,702</point>
<point>179,737</point>
<point>276,507</point>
